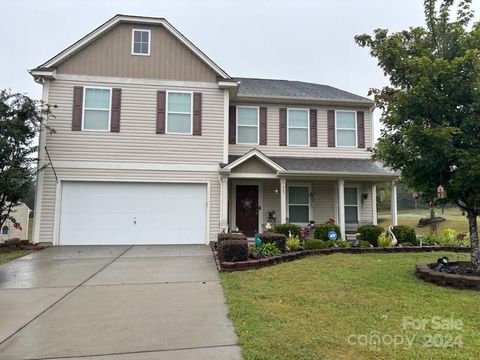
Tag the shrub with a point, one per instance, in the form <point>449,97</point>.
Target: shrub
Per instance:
<point>429,240</point>
<point>269,249</point>
<point>233,250</point>
<point>407,244</point>
<point>230,236</point>
<point>339,243</point>
<point>404,234</point>
<point>321,231</point>
<point>316,244</point>
<point>293,243</point>
<point>369,233</point>
<point>286,228</point>
<point>450,236</point>
<point>275,238</point>
<point>383,240</point>
<point>364,244</point>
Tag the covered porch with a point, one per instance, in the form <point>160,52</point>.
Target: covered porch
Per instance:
<point>301,191</point>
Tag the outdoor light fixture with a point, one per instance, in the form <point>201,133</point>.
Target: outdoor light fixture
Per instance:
<point>276,191</point>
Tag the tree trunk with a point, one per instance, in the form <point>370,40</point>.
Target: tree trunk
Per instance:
<point>472,226</point>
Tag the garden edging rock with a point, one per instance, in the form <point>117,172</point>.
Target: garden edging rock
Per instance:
<point>258,263</point>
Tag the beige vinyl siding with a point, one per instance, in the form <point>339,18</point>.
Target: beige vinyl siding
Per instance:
<point>151,176</point>
<point>111,55</point>
<point>21,214</point>
<point>323,201</point>
<point>137,140</point>
<point>366,214</point>
<point>253,166</point>
<point>322,150</point>
<point>271,200</point>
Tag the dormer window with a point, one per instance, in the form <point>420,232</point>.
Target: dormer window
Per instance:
<point>140,42</point>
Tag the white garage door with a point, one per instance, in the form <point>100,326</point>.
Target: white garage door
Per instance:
<point>95,213</point>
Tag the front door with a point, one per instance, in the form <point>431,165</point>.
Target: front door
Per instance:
<point>247,209</point>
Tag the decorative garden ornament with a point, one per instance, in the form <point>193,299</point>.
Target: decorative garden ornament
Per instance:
<point>441,192</point>
<point>258,241</point>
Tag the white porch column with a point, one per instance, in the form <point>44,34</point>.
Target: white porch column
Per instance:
<point>283,201</point>
<point>223,203</point>
<point>341,206</point>
<point>374,204</point>
<point>394,204</point>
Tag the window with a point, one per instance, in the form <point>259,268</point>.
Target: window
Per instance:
<point>346,126</point>
<point>298,129</point>
<point>351,205</point>
<point>247,125</point>
<point>179,113</point>
<point>298,204</point>
<point>140,42</point>
<point>96,109</point>
<point>5,230</point>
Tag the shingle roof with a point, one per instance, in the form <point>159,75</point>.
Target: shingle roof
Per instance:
<point>294,89</point>
<point>330,165</point>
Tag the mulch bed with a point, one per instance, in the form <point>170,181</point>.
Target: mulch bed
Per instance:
<point>258,263</point>
<point>460,268</point>
<point>459,275</point>
<point>16,244</point>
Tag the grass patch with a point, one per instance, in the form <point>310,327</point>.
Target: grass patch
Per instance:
<point>453,217</point>
<point>12,255</point>
<point>307,309</point>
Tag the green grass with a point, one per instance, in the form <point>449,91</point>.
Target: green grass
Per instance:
<point>307,309</point>
<point>12,255</point>
<point>453,216</point>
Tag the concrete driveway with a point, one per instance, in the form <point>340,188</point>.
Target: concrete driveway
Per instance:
<point>115,302</point>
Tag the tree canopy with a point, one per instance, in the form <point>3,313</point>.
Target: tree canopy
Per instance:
<point>430,112</point>
<point>21,119</point>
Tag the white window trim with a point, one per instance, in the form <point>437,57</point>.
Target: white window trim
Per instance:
<point>309,186</point>
<point>358,202</point>
<point>257,126</point>
<point>297,127</point>
<point>350,129</point>
<point>84,108</point>
<point>149,41</point>
<point>177,112</point>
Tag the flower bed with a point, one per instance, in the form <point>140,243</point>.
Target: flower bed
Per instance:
<point>289,256</point>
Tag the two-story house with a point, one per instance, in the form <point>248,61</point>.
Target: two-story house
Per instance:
<point>156,144</point>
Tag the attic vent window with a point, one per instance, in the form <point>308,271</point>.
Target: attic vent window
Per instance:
<point>140,42</point>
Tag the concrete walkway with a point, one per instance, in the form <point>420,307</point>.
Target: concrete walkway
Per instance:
<point>115,302</point>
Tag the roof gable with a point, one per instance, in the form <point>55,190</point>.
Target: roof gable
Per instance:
<point>253,154</point>
<point>136,21</point>
<point>254,166</point>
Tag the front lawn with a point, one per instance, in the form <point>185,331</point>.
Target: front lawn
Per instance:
<point>336,306</point>
<point>453,220</point>
<point>12,255</point>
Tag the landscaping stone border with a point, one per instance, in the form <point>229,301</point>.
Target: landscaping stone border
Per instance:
<point>464,282</point>
<point>255,264</point>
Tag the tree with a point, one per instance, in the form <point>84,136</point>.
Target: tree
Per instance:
<point>21,119</point>
<point>431,109</point>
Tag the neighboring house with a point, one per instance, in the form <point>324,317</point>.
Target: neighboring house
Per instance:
<point>21,213</point>
<point>156,144</point>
